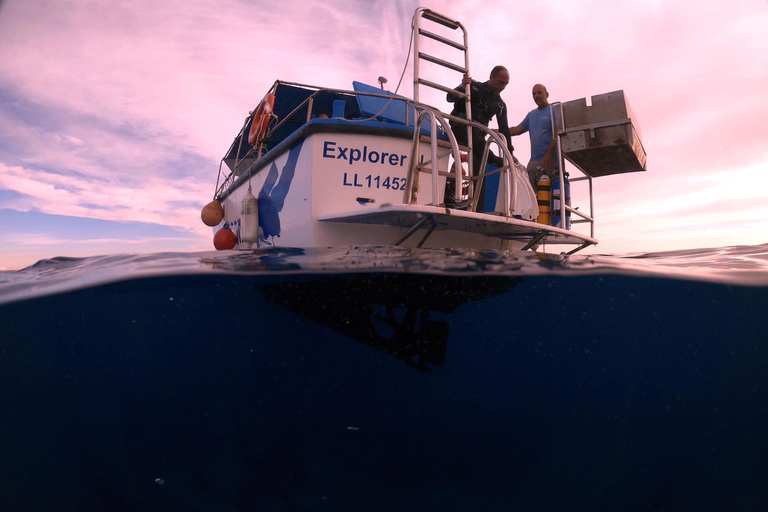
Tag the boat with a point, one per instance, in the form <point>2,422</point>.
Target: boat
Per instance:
<point>322,167</point>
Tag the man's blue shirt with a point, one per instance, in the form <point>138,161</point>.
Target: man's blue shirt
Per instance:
<point>539,126</point>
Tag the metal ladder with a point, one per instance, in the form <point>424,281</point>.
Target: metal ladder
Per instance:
<point>420,16</point>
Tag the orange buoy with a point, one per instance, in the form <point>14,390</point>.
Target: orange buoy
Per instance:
<point>224,239</point>
<point>261,119</point>
<point>212,214</point>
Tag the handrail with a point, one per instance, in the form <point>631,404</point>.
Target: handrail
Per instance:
<point>510,198</point>
<point>434,116</point>
<point>409,103</point>
<point>564,208</point>
<point>309,102</point>
<point>424,111</point>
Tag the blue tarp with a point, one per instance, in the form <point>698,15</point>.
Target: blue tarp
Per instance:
<point>393,111</point>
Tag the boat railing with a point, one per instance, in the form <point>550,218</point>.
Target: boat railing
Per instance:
<point>435,116</point>
<point>255,152</point>
<point>559,130</point>
<point>432,164</point>
<point>309,104</point>
<point>439,123</point>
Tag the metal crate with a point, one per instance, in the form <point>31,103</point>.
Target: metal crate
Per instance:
<point>604,138</point>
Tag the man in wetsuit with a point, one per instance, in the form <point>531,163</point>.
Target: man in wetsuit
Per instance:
<point>486,104</point>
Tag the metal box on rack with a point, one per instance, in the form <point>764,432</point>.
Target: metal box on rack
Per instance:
<point>604,138</point>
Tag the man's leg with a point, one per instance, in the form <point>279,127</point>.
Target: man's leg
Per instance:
<point>478,146</point>
<point>449,197</point>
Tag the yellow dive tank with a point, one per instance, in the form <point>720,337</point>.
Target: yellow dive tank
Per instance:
<point>544,196</point>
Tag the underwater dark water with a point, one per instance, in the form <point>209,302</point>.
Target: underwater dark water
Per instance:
<point>487,386</point>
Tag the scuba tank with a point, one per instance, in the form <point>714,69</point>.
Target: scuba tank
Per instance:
<point>543,194</point>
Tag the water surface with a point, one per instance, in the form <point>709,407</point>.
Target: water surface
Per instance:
<point>370,378</point>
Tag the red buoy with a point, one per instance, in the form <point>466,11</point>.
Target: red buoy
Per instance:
<point>224,239</point>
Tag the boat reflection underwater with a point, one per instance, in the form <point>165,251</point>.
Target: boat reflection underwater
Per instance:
<point>393,313</point>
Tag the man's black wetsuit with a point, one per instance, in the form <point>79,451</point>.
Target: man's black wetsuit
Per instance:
<point>485,105</point>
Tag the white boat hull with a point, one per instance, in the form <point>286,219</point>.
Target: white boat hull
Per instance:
<point>335,189</point>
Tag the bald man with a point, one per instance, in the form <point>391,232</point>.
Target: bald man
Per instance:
<point>486,104</point>
<point>539,125</point>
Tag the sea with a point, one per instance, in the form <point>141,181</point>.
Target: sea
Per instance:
<point>386,379</point>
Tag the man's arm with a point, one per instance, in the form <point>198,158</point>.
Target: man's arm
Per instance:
<point>501,119</point>
<point>522,127</point>
<point>453,98</point>
<point>518,130</point>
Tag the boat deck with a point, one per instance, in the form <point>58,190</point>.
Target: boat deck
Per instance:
<point>416,217</point>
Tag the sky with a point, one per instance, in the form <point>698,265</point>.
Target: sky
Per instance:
<point>114,115</point>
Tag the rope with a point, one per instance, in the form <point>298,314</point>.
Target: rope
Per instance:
<point>405,67</point>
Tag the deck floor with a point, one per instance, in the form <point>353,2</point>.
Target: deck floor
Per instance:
<point>489,224</point>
